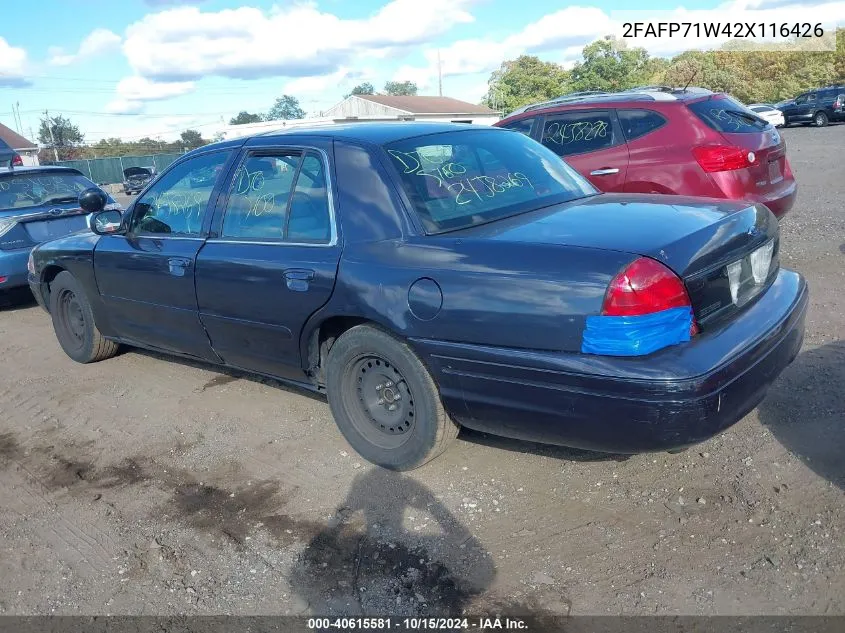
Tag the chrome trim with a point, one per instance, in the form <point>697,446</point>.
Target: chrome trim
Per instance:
<point>46,215</point>
<point>333,237</point>
<point>604,172</point>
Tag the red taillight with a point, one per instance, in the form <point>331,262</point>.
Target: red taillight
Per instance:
<point>644,287</point>
<point>17,161</point>
<point>723,157</point>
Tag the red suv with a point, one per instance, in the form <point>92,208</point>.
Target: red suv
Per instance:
<point>661,140</point>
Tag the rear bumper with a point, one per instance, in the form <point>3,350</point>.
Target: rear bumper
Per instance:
<point>673,398</point>
<point>779,201</point>
<point>13,267</point>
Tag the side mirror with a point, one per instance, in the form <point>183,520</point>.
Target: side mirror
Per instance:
<point>93,200</point>
<point>105,222</point>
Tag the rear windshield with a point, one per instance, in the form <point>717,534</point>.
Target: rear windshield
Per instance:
<point>724,114</point>
<point>459,179</point>
<point>22,191</point>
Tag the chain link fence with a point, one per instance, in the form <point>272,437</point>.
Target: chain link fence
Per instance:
<point>109,171</point>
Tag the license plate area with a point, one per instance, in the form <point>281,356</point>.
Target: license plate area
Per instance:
<point>748,276</point>
<point>775,172</point>
<point>44,230</point>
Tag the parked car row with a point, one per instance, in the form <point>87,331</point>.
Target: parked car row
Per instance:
<point>429,276</point>
<point>817,107</point>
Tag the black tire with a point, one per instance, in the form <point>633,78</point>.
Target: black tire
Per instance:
<point>416,431</point>
<point>820,119</point>
<point>73,322</point>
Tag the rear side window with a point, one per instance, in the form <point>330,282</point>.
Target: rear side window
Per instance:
<point>523,125</point>
<point>727,115</point>
<point>637,123</point>
<point>578,132</point>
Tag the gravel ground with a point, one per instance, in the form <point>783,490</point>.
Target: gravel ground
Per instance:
<point>143,485</point>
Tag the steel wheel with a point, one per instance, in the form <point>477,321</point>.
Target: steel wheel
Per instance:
<point>383,409</point>
<point>71,317</point>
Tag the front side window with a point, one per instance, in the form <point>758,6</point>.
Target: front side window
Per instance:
<point>279,195</point>
<point>459,179</point>
<point>637,123</point>
<point>25,191</point>
<point>177,203</point>
<point>578,132</point>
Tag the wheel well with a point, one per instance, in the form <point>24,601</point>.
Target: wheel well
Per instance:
<point>47,277</point>
<point>321,342</point>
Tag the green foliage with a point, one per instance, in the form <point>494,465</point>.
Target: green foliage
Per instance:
<point>610,65</point>
<point>766,76</point>
<point>286,107</point>
<point>400,88</point>
<point>365,88</point>
<point>525,80</point>
<point>192,139</point>
<point>60,133</point>
<point>245,117</point>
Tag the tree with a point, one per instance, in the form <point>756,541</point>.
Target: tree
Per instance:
<point>192,139</point>
<point>400,88</point>
<point>525,80</point>
<point>610,65</point>
<point>365,88</point>
<point>59,133</point>
<point>286,107</point>
<point>245,117</point>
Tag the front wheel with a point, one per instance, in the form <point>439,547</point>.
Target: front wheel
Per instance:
<point>73,322</point>
<point>820,120</point>
<point>384,401</point>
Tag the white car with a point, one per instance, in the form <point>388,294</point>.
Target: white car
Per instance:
<point>768,112</point>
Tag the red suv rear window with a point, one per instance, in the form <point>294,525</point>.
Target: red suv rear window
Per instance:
<point>726,115</point>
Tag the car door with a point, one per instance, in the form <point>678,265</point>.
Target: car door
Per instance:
<point>271,260</point>
<point>146,276</point>
<point>591,142</point>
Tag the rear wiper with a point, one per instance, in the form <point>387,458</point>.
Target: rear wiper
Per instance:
<point>61,199</point>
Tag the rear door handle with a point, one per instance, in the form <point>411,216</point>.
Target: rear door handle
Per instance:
<point>298,279</point>
<point>178,265</point>
<point>604,172</point>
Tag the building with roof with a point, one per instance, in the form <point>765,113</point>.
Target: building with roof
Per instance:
<point>380,108</point>
<point>27,149</point>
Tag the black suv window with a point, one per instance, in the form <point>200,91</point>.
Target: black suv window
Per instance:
<point>176,204</point>
<point>637,123</point>
<point>523,125</point>
<point>578,132</point>
<point>726,115</point>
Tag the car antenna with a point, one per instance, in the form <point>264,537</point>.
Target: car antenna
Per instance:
<point>694,73</point>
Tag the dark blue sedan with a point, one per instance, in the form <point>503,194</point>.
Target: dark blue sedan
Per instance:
<point>427,276</point>
<point>36,204</point>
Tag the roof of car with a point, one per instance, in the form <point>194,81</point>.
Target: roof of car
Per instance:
<point>638,94</point>
<point>376,132</point>
<point>37,168</point>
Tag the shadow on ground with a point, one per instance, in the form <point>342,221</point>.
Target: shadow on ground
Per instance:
<point>16,299</point>
<point>805,410</point>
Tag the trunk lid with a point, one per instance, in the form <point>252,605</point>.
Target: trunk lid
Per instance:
<point>698,238</point>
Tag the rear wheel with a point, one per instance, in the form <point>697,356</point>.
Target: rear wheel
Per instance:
<point>384,401</point>
<point>820,119</point>
<point>73,322</point>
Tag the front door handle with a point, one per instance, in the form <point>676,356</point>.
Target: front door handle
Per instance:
<point>298,279</point>
<point>604,172</point>
<point>178,266</point>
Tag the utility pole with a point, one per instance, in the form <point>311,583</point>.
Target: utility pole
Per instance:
<point>16,114</point>
<point>439,75</point>
<point>52,138</point>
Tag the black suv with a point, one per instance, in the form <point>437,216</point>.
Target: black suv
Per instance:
<point>819,107</point>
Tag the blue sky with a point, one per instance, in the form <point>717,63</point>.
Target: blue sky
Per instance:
<point>154,67</point>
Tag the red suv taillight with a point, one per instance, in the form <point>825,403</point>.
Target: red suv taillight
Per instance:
<point>644,287</point>
<point>713,158</point>
<point>17,161</point>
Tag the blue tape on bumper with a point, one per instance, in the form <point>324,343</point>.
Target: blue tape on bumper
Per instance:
<point>636,335</point>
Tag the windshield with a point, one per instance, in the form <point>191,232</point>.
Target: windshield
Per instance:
<point>727,115</point>
<point>459,179</point>
<point>22,191</point>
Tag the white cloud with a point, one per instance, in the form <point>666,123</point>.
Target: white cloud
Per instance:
<point>133,92</point>
<point>97,42</point>
<point>567,31</point>
<point>187,43</point>
<point>12,65</point>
